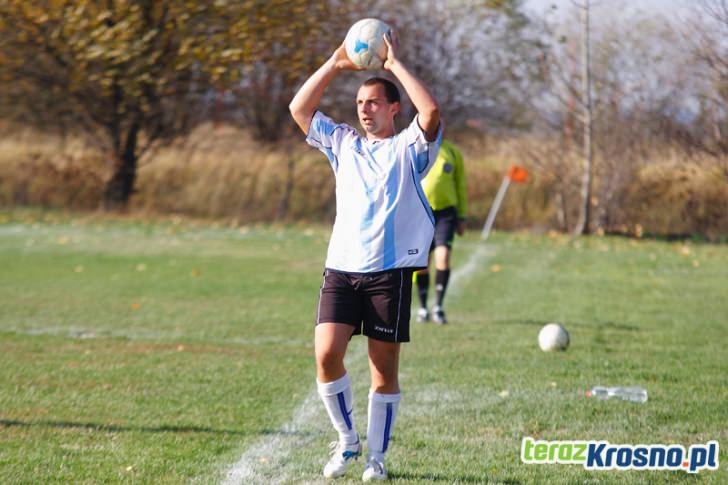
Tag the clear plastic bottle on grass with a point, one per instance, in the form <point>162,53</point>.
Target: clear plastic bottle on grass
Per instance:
<point>634,394</point>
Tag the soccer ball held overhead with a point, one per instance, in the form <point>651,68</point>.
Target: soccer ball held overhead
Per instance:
<point>365,45</point>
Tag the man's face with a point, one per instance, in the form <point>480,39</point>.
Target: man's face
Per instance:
<point>376,114</point>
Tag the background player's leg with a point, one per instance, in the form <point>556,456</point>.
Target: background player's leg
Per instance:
<point>422,279</point>
<point>442,277</point>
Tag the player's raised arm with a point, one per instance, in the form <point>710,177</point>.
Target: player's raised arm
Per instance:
<point>304,103</point>
<point>427,107</point>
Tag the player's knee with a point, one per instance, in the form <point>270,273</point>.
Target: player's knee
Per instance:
<point>385,370</point>
<point>329,360</point>
<point>388,374</point>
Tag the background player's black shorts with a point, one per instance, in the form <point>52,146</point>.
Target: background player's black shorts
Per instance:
<point>446,221</point>
<point>377,303</point>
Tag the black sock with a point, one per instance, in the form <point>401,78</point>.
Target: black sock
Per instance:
<point>441,279</point>
<point>423,284</point>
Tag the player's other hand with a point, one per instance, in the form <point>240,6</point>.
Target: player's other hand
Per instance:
<point>461,227</point>
<point>392,42</point>
<point>342,61</point>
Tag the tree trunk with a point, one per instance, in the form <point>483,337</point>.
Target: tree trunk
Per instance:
<point>121,186</point>
<point>285,201</point>
<point>561,210</point>
<point>583,223</point>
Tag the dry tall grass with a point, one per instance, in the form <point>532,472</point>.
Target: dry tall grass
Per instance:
<point>220,172</point>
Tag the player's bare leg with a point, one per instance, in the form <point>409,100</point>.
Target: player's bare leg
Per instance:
<point>334,387</point>
<point>384,400</point>
<point>330,343</point>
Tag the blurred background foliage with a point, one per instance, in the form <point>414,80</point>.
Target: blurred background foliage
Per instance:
<point>181,107</point>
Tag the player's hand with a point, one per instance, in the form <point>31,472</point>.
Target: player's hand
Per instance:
<point>342,61</point>
<point>461,227</point>
<point>392,42</point>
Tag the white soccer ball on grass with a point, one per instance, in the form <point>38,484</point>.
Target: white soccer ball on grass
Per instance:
<point>364,44</point>
<point>553,337</point>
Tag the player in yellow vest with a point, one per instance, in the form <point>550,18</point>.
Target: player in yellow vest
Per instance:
<point>446,193</point>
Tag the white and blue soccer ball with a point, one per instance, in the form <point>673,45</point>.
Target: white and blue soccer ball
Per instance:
<point>553,337</point>
<point>364,44</point>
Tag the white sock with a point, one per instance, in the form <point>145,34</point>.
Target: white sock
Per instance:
<point>338,401</point>
<point>382,411</point>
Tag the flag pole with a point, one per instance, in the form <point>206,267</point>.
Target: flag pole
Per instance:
<point>494,208</point>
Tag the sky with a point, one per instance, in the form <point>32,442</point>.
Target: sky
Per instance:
<point>670,7</point>
<point>676,13</point>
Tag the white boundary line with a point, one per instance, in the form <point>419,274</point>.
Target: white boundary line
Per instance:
<point>271,452</point>
<point>475,260</point>
<point>264,461</point>
<point>90,333</point>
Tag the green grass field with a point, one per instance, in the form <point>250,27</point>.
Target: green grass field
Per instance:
<point>171,352</point>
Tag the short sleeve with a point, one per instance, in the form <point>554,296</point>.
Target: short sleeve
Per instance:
<point>424,152</point>
<point>327,135</point>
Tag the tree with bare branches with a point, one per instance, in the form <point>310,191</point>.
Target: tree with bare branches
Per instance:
<point>129,75</point>
<point>710,48</point>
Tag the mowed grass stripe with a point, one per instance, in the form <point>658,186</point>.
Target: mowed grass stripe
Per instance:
<point>94,389</point>
<point>197,349</point>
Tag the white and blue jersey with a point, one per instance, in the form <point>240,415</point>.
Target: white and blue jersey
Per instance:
<point>383,220</point>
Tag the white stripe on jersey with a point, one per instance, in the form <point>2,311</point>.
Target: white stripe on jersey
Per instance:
<point>383,220</point>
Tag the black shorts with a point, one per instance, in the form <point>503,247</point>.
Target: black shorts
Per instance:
<point>446,221</point>
<point>377,303</point>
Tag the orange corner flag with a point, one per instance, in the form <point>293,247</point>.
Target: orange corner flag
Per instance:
<point>517,174</point>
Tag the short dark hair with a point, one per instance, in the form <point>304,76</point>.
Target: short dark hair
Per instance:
<point>390,89</point>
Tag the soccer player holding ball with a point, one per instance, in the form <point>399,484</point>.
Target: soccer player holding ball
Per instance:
<point>382,233</point>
